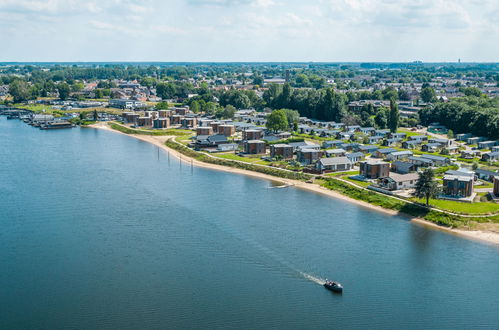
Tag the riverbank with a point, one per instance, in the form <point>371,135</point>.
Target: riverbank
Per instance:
<point>491,237</point>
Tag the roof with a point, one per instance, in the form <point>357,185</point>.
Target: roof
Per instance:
<point>421,159</point>
<point>281,145</point>
<point>254,141</point>
<point>460,172</point>
<point>433,157</point>
<point>386,150</point>
<point>372,161</point>
<point>355,154</point>
<point>484,171</point>
<point>336,151</point>
<point>458,178</point>
<point>334,161</point>
<point>403,177</point>
<point>403,152</point>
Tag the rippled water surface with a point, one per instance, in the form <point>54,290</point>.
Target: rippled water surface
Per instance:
<point>99,230</point>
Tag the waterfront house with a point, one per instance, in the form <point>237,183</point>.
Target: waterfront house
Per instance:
<point>284,151</point>
<point>335,152</point>
<point>398,155</point>
<point>457,186</point>
<point>355,157</point>
<point>203,141</point>
<point>308,156</point>
<point>374,169</point>
<point>402,167</point>
<point>491,156</point>
<point>254,147</point>
<point>395,181</point>
<point>162,123</point>
<point>227,147</point>
<point>333,164</point>
<point>383,153</point>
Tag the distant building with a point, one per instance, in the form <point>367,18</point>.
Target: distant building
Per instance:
<point>126,104</point>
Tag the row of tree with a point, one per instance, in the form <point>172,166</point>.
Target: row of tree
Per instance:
<point>471,114</point>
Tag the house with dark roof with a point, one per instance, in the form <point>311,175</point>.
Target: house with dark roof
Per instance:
<point>491,156</point>
<point>398,155</point>
<point>308,156</point>
<point>284,151</point>
<point>203,141</point>
<point>335,152</point>
<point>331,144</point>
<point>367,149</point>
<point>402,167</point>
<point>383,153</point>
<point>355,156</point>
<point>420,161</point>
<point>437,160</point>
<point>485,174</point>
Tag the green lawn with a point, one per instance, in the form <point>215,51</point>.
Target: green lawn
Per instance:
<point>357,182</point>
<point>408,132</point>
<point>463,208</point>
<point>250,160</point>
<point>485,184</point>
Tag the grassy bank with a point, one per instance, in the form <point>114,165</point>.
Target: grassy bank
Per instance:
<point>202,157</point>
<point>128,130</point>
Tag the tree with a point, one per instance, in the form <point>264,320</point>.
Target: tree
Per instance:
<point>228,112</point>
<point>64,90</point>
<point>428,94</point>
<point>99,94</point>
<point>96,116</point>
<point>450,134</point>
<point>381,118</point>
<point>426,186</point>
<point>291,115</point>
<point>195,107</point>
<point>161,106</point>
<point>166,90</point>
<point>475,165</point>
<point>19,90</point>
<point>393,119</point>
<point>277,121</point>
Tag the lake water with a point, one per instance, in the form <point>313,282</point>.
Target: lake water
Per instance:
<point>100,230</point>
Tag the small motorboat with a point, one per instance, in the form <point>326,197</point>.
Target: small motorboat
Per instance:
<point>334,286</point>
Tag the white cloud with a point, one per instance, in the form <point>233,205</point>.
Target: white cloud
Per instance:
<point>238,30</point>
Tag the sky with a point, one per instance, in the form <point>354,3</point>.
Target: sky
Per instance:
<point>249,30</point>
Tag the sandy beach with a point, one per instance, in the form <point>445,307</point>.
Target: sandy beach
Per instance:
<point>490,237</point>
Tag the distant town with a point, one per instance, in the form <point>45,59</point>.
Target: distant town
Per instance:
<point>423,133</point>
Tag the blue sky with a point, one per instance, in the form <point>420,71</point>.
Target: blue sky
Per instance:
<point>249,30</point>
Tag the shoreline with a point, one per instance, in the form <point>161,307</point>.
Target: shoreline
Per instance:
<point>488,237</point>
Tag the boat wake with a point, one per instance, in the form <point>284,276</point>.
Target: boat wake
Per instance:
<point>312,278</point>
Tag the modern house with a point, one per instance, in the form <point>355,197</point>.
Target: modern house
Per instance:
<point>463,136</point>
<point>204,130</point>
<point>402,167</point>
<point>491,156</point>
<point>420,161</point>
<point>335,152</point>
<point>398,155</point>
<point>486,144</point>
<point>374,169</point>
<point>284,151</point>
<point>484,174</point>
<point>437,160</point>
<point>397,181</point>
<point>383,153</point>
<point>431,147</point>
<point>227,130</point>
<point>355,157</point>
<point>203,141</point>
<point>255,147</point>
<point>162,123</point>
<point>457,186</point>
<point>333,164</point>
<point>367,149</point>
<point>411,144</point>
<point>252,134</point>
<point>331,144</point>
<point>308,156</point>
